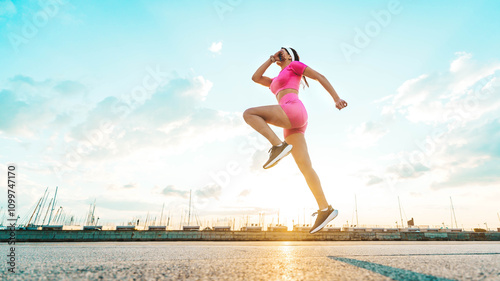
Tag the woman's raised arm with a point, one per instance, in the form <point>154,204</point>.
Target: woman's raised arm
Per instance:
<point>258,75</point>
<point>313,74</point>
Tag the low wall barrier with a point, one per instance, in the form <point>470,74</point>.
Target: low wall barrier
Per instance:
<point>176,235</point>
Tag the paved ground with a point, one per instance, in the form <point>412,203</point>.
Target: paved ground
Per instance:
<point>255,261</point>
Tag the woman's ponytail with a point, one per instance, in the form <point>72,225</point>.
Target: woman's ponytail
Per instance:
<point>298,59</point>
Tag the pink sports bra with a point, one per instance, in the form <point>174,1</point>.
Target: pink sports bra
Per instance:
<point>288,78</point>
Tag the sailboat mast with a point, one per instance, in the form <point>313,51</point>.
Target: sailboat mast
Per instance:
<point>55,216</point>
<point>34,211</point>
<point>92,218</point>
<point>53,204</point>
<point>48,207</point>
<point>400,214</point>
<point>161,216</point>
<point>356,204</point>
<point>87,220</point>
<point>41,206</point>
<point>189,214</point>
<point>59,218</point>
<point>182,219</point>
<point>453,212</point>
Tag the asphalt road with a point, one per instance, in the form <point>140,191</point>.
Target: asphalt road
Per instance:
<point>255,261</point>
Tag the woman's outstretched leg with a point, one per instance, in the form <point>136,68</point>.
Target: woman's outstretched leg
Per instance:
<point>301,156</point>
<point>325,213</point>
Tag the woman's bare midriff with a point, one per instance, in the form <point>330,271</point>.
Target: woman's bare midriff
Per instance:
<point>283,92</point>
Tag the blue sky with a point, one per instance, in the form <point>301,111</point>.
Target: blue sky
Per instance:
<point>136,104</point>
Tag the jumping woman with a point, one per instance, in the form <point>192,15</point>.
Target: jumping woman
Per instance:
<point>291,115</point>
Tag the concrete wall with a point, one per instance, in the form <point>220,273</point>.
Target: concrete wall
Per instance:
<point>91,236</point>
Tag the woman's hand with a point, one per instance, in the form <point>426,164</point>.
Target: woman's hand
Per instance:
<point>340,104</point>
<point>276,56</point>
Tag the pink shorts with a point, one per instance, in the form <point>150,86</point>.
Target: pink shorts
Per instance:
<point>296,113</point>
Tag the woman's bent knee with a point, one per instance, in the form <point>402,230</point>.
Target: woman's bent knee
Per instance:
<point>246,114</point>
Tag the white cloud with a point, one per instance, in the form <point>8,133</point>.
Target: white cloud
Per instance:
<point>216,47</point>
<point>367,134</point>
<point>372,180</point>
<point>460,62</point>
<point>28,107</point>
<point>462,157</point>
<point>209,191</point>
<point>132,185</point>
<point>383,99</point>
<point>172,190</point>
<point>460,111</point>
<point>259,157</point>
<point>201,87</point>
<point>465,92</point>
<point>411,92</point>
<point>72,137</point>
<point>172,120</point>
